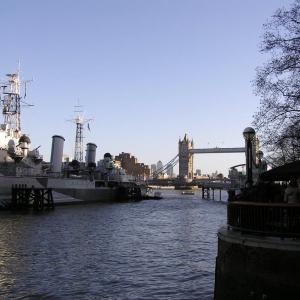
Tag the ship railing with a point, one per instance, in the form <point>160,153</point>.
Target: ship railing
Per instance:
<point>47,175</point>
<point>264,219</point>
<point>32,175</point>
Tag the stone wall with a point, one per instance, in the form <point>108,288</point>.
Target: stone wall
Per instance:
<point>249,267</point>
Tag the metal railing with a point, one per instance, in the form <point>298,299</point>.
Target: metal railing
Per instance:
<point>264,219</point>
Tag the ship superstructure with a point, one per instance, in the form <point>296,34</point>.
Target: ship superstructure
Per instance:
<point>15,157</point>
<point>79,121</point>
<point>10,100</point>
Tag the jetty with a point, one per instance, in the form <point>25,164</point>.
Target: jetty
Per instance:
<point>38,198</point>
<point>209,187</point>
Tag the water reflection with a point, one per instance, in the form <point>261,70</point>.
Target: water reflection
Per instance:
<point>148,250</point>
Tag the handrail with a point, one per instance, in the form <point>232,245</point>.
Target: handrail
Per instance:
<point>264,219</point>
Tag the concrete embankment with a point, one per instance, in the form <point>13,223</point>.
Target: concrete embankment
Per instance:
<point>254,267</point>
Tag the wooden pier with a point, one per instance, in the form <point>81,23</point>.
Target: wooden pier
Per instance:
<point>209,187</point>
<point>206,192</point>
<point>38,198</point>
<point>128,194</point>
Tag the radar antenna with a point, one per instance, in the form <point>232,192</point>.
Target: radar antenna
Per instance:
<point>79,121</point>
<point>10,100</point>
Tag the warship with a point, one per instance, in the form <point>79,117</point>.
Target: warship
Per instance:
<point>72,182</point>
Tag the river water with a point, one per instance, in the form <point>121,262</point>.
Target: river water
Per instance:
<point>153,249</point>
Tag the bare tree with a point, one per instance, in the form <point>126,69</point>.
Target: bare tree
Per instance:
<point>278,84</point>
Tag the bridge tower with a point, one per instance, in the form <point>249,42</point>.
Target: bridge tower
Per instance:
<point>186,159</point>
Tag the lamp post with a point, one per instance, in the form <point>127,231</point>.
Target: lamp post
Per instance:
<point>249,134</point>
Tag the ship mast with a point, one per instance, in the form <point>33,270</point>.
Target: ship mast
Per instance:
<point>79,121</point>
<point>11,101</point>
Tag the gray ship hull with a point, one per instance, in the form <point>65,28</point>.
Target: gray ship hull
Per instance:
<point>64,191</point>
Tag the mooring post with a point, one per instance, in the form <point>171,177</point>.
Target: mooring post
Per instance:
<point>205,191</point>
<point>50,199</point>
<point>37,201</point>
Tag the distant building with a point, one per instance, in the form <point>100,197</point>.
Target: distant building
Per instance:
<point>159,166</point>
<point>132,166</point>
<point>198,172</point>
<point>170,170</point>
<point>214,174</point>
<point>66,159</point>
<point>153,167</point>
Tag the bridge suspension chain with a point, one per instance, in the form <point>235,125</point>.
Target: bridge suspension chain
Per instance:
<point>173,162</point>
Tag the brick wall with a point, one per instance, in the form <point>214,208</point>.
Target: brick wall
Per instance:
<point>132,166</point>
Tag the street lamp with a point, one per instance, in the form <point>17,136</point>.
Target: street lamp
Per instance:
<point>249,134</point>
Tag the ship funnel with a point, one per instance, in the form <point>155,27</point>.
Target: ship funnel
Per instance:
<point>90,156</point>
<point>57,153</point>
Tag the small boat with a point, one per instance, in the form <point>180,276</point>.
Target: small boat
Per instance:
<point>188,193</point>
<point>157,196</point>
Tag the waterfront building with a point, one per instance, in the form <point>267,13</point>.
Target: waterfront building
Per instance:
<point>132,166</point>
<point>153,167</point>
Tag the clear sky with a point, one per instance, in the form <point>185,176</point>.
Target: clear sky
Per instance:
<point>147,71</point>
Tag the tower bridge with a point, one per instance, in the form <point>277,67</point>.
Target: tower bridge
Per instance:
<point>186,151</point>
<point>217,150</point>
